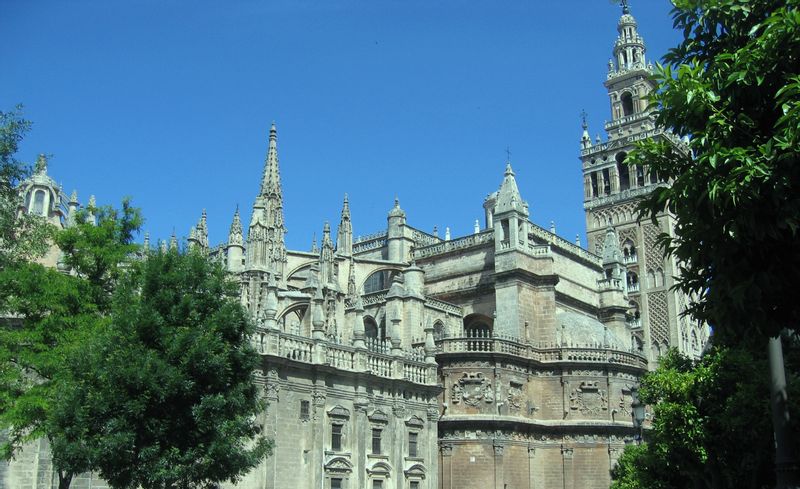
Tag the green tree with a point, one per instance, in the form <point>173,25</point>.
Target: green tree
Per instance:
<point>22,236</point>
<point>49,316</point>
<point>733,86</point>
<point>710,428</point>
<point>168,398</point>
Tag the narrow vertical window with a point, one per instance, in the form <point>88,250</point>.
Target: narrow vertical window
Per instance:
<point>304,410</point>
<point>38,203</point>
<point>412,444</point>
<point>336,437</point>
<point>376,441</point>
<point>377,484</point>
<point>336,483</point>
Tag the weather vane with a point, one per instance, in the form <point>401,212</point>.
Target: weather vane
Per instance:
<point>624,4</point>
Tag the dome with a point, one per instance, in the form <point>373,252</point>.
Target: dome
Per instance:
<point>578,329</point>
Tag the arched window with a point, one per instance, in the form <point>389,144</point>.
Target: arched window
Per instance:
<point>438,330</point>
<point>478,328</point>
<point>695,343</point>
<point>629,251</point>
<point>370,328</point>
<point>380,280</point>
<point>639,176</point>
<point>627,104</point>
<point>633,282</point>
<point>606,182</point>
<point>292,321</point>
<point>38,203</point>
<point>624,171</point>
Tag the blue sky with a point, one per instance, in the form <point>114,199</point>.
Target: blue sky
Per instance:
<point>170,102</point>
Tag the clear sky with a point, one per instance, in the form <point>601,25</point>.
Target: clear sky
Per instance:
<point>170,102</point>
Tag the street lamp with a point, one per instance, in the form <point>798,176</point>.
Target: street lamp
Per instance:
<point>637,411</point>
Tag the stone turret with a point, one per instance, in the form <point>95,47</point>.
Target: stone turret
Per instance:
<point>511,212</point>
<point>235,248</point>
<point>397,222</point>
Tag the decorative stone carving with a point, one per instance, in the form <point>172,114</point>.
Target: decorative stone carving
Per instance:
<point>433,412</point>
<point>588,398</point>
<point>567,453</point>
<point>446,449</point>
<point>498,450</point>
<point>515,396</point>
<point>472,389</point>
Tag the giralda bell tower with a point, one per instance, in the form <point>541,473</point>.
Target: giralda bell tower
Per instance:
<point>612,190</point>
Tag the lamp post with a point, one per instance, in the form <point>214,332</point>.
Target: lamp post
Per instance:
<point>637,412</point>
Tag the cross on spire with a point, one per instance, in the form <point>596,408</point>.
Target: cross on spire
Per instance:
<point>508,155</point>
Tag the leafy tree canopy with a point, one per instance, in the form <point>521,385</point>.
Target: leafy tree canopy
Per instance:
<point>48,317</point>
<point>733,86</point>
<point>711,425</point>
<point>22,236</point>
<point>168,398</point>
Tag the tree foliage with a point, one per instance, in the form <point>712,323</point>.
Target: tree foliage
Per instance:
<point>167,397</point>
<point>22,236</point>
<point>733,86</point>
<point>711,425</point>
<point>50,316</point>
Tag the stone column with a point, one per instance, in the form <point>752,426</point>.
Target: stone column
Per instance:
<point>446,479</point>
<point>568,473</point>
<point>499,476</point>
<point>531,467</point>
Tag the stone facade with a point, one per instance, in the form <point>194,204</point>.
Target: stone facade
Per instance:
<point>503,359</point>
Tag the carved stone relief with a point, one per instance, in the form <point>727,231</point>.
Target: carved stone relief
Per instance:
<point>588,398</point>
<point>472,389</point>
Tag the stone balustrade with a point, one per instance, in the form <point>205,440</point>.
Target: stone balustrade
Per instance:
<point>557,241</point>
<point>408,364</point>
<point>456,244</point>
<point>542,353</point>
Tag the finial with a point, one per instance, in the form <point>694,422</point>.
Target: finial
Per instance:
<point>553,227</point>
<point>584,124</point>
<point>477,227</point>
<point>435,231</point>
<point>326,229</point>
<point>625,7</point>
<point>509,171</point>
<point>41,164</point>
<point>396,202</point>
<point>73,199</point>
<point>577,239</point>
<point>314,248</point>
<point>273,132</point>
<point>92,201</point>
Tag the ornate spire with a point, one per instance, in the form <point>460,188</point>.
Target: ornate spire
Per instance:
<point>173,241</point>
<point>344,235</point>
<point>586,140</point>
<point>146,243</point>
<point>266,249</point>
<point>508,197</point>
<point>351,280</point>
<point>629,47</point>
<point>235,233</point>
<point>314,247</point>
<point>326,256</point>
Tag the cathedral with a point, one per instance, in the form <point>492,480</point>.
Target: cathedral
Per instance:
<point>503,359</point>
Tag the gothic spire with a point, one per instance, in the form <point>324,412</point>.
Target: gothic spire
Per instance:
<point>266,248</point>
<point>271,180</point>
<point>344,235</point>
<point>235,233</point>
<point>326,256</point>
